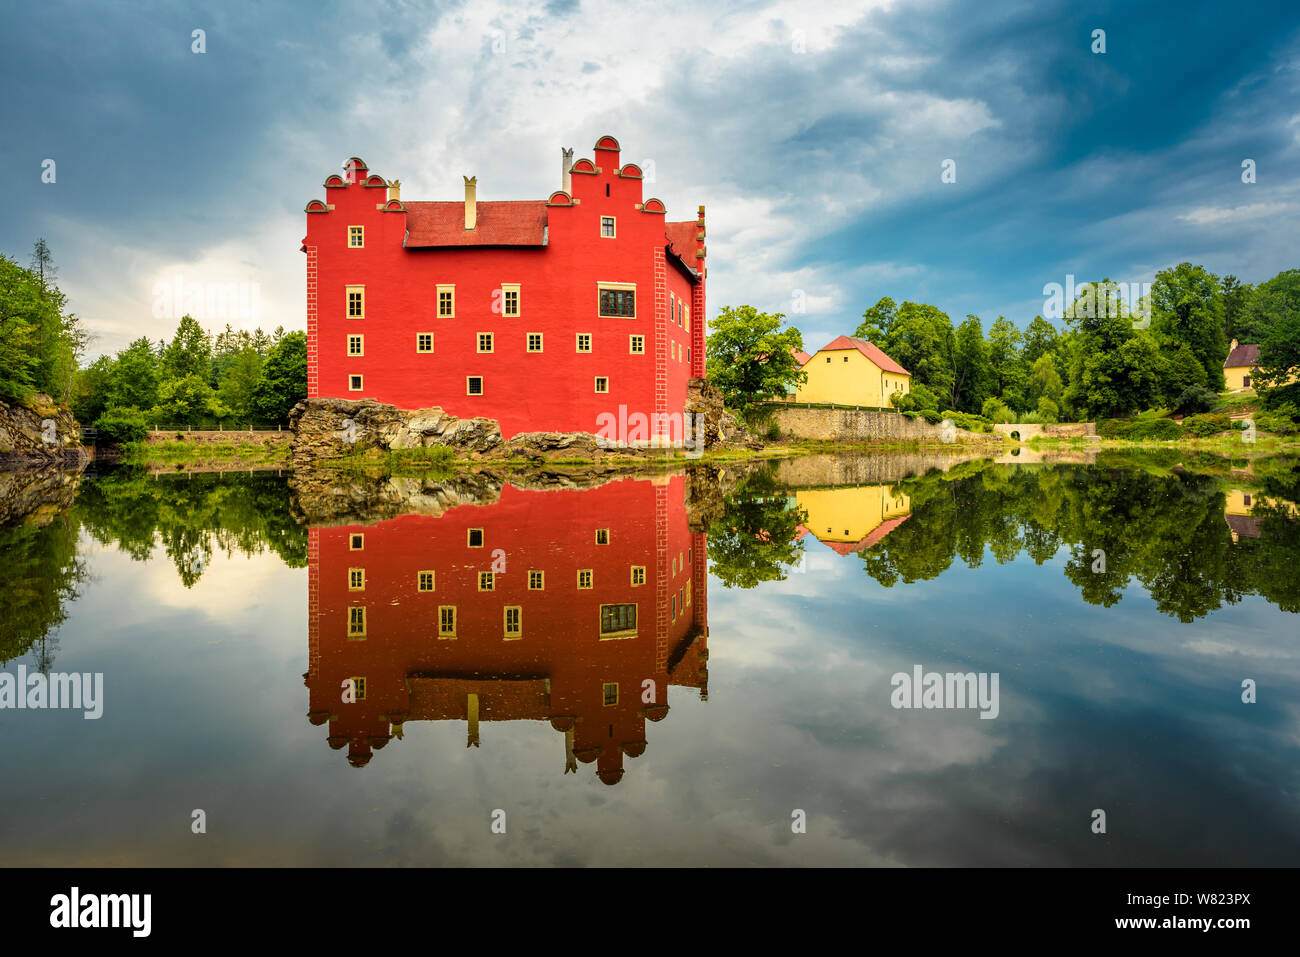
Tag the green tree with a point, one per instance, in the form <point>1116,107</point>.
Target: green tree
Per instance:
<point>972,370</point>
<point>750,357</point>
<point>240,375</point>
<point>1279,361</point>
<point>1041,338</point>
<point>1009,372</point>
<point>189,353</point>
<point>1044,380</point>
<point>1187,306</point>
<point>283,383</point>
<point>1236,297</point>
<point>134,382</point>
<point>917,336</point>
<point>1184,372</point>
<point>1271,303</point>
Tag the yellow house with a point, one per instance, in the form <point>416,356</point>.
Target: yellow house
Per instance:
<point>1238,509</point>
<point>852,519</point>
<point>851,371</point>
<point>1239,367</point>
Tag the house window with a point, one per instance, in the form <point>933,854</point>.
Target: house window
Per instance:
<point>356,579</point>
<point>617,619</point>
<point>356,346</point>
<point>485,342</point>
<point>446,302</point>
<point>688,353</point>
<point>602,536</point>
<point>536,580</point>
<point>534,342</point>
<point>637,345</point>
<point>584,342</point>
<point>424,581</point>
<point>602,383</point>
<point>424,342</point>
<point>514,624</point>
<point>1245,381</point>
<point>617,299</point>
<point>609,693</point>
<point>638,574</point>
<point>473,385</point>
<point>354,383</point>
<point>356,542</point>
<point>356,622</point>
<point>607,226</point>
<point>487,581</point>
<point>356,237</point>
<point>510,299</point>
<point>846,358</point>
<point>1245,500</point>
<point>828,359</point>
<point>584,578</point>
<point>686,315</point>
<point>474,538</point>
<point>358,688</point>
<point>688,593</point>
<point>356,302</point>
<point>446,621</point>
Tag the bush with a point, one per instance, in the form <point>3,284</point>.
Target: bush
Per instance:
<point>1205,425</point>
<point>1195,398</point>
<point>931,416</point>
<point>1276,422</point>
<point>995,410</point>
<point>773,432</point>
<point>912,415</point>
<point>1048,411</point>
<point>967,420</point>
<point>121,425</point>
<point>1158,429</point>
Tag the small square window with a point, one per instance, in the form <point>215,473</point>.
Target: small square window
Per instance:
<point>513,621</point>
<point>828,359</point>
<point>602,536</point>
<point>485,342</point>
<point>534,342</point>
<point>607,227</point>
<point>638,574</point>
<point>356,542</point>
<point>424,342</point>
<point>356,345</point>
<point>356,237</point>
<point>609,693</point>
<point>487,581</point>
<point>356,579</point>
<point>846,358</point>
<point>536,580</point>
<point>602,383</point>
<point>474,538</point>
<point>354,383</point>
<point>356,622</point>
<point>446,302</point>
<point>636,345</point>
<point>356,296</point>
<point>584,577</point>
<point>584,342</point>
<point>446,621</point>
<point>510,300</point>
<point>473,385</point>
<point>358,688</point>
<point>424,581</point>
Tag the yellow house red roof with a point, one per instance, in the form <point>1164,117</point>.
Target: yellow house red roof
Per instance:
<point>870,350</point>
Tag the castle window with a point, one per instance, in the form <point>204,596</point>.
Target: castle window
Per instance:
<point>356,346</point>
<point>356,237</point>
<point>617,299</point>
<point>688,593</point>
<point>358,688</point>
<point>356,622</point>
<point>584,342</point>
<point>474,538</point>
<point>510,299</point>
<point>473,385</point>
<point>356,296</point>
<point>637,345</point>
<point>638,574</point>
<point>514,623</point>
<point>424,342</point>
<point>607,227</point>
<point>354,383</point>
<point>609,693</point>
<point>446,302</point>
<point>617,620</point>
<point>446,621</point>
<point>828,359</point>
<point>485,342</point>
<point>424,581</point>
<point>356,579</point>
<point>602,536</point>
<point>688,353</point>
<point>536,580</point>
<point>356,542</point>
<point>584,577</point>
<point>602,383</point>
<point>534,342</point>
<point>487,581</point>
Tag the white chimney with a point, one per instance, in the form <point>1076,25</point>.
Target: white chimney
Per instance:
<point>471,201</point>
<point>566,164</point>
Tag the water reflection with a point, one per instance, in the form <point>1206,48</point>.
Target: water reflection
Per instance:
<point>579,608</point>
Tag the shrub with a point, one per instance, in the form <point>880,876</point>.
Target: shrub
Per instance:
<point>119,425</point>
<point>1276,422</point>
<point>995,410</point>
<point>1115,428</point>
<point>1158,429</point>
<point>1048,411</point>
<point>1195,398</point>
<point>773,431</point>
<point>931,416</point>
<point>1203,425</point>
<point>912,415</point>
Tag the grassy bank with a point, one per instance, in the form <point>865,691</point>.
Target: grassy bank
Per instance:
<point>233,455</point>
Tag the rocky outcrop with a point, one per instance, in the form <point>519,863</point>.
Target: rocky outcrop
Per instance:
<point>34,496</point>
<point>39,433</point>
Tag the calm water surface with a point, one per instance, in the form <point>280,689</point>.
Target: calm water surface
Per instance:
<point>663,670</point>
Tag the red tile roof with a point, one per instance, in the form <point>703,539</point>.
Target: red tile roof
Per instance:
<point>801,357</point>
<point>681,237</point>
<point>877,533</point>
<point>1242,356</point>
<point>509,223</point>
<point>869,350</point>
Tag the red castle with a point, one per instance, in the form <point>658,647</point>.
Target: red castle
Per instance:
<point>541,314</point>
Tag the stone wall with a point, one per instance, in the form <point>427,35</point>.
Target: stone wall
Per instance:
<point>862,425</point>
<point>1052,430</point>
<point>38,433</point>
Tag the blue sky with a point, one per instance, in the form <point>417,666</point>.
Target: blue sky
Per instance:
<point>813,134</point>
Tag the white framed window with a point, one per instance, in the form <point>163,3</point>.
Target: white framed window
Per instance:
<point>446,302</point>
<point>636,345</point>
<point>356,302</point>
<point>356,237</point>
<point>356,345</point>
<point>424,342</point>
<point>534,342</point>
<point>510,304</point>
<point>602,383</point>
<point>354,383</point>
<point>608,227</point>
<point>485,342</point>
<point>473,385</point>
<point>583,342</point>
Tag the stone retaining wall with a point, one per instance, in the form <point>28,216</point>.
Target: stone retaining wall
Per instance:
<point>861,425</point>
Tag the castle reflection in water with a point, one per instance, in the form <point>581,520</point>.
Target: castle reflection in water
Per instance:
<point>575,607</point>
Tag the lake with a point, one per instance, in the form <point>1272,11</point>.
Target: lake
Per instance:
<point>726,666</point>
